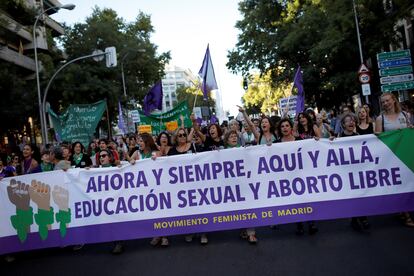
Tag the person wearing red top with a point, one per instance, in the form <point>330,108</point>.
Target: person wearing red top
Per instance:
<point>103,145</point>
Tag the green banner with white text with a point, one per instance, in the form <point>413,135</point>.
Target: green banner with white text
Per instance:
<point>160,121</point>
<point>78,122</point>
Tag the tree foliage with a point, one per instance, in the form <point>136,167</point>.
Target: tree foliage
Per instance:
<point>319,35</point>
<point>194,93</point>
<point>88,81</point>
<point>262,96</point>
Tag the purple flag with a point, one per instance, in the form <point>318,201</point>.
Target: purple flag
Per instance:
<point>207,75</point>
<point>121,124</point>
<point>298,82</point>
<point>153,99</point>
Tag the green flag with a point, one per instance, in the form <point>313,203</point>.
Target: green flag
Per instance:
<point>159,121</point>
<point>78,122</point>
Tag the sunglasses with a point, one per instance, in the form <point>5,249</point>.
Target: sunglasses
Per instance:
<point>182,135</point>
<point>103,155</point>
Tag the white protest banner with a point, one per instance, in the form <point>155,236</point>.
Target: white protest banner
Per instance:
<point>210,191</point>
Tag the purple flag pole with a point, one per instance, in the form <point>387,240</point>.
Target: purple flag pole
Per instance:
<point>121,124</point>
<point>298,82</point>
<point>153,99</point>
<point>207,75</point>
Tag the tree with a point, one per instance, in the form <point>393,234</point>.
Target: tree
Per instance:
<point>319,35</point>
<point>262,96</point>
<point>89,81</point>
<point>190,93</point>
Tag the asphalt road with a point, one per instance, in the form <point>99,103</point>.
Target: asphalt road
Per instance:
<point>336,250</point>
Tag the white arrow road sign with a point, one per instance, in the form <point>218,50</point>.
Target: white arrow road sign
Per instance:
<point>397,78</point>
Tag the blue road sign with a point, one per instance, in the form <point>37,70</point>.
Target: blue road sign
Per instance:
<point>394,63</point>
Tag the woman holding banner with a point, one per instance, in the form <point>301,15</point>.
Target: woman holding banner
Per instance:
<point>183,143</point>
<point>365,125</point>
<point>163,143</point>
<point>349,127</point>
<point>148,149</point>
<point>393,118</point>
<point>265,135</point>
<point>231,140</point>
<point>306,129</point>
<point>79,158</point>
<point>106,160</point>
<point>30,164</point>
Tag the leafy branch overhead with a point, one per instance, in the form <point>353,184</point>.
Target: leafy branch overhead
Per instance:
<point>319,35</point>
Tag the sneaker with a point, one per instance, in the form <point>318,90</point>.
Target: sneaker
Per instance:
<point>164,242</point>
<point>355,224</point>
<point>243,235</point>
<point>312,228</point>
<point>9,258</point>
<point>155,241</point>
<point>252,239</point>
<point>188,238</point>
<point>365,224</point>
<point>299,229</point>
<point>203,239</point>
<point>118,249</point>
<point>77,247</point>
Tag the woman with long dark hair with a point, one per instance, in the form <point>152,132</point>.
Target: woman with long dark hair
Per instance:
<point>79,158</point>
<point>265,135</point>
<point>30,162</point>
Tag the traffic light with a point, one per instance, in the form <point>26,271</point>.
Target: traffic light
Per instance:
<point>111,60</point>
<point>245,83</point>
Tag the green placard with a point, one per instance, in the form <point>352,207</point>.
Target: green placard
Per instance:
<point>396,71</point>
<point>393,55</point>
<point>158,121</point>
<point>397,86</point>
<point>78,122</point>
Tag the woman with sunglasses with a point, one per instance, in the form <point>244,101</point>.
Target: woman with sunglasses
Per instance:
<point>148,149</point>
<point>15,162</point>
<point>107,160</point>
<point>183,143</point>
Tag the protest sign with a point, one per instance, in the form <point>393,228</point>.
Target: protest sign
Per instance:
<point>78,122</point>
<point>144,129</point>
<point>159,121</point>
<point>210,191</point>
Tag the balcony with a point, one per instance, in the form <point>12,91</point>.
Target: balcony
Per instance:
<point>16,28</point>
<point>17,59</point>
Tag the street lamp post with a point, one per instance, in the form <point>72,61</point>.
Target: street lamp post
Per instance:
<point>359,41</point>
<point>122,66</point>
<point>123,75</point>
<point>43,104</point>
<point>39,95</point>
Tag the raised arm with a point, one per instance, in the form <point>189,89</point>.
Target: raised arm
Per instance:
<point>250,123</point>
<point>197,128</point>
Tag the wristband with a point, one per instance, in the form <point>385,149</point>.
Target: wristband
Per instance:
<point>44,218</point>
<point>21,221</point>
<point>63,217</point>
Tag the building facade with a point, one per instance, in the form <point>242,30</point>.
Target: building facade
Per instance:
<point>175,78</point>
<point>16,36</point>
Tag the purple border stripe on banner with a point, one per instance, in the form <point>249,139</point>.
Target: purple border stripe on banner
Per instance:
<point>281,214</point>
